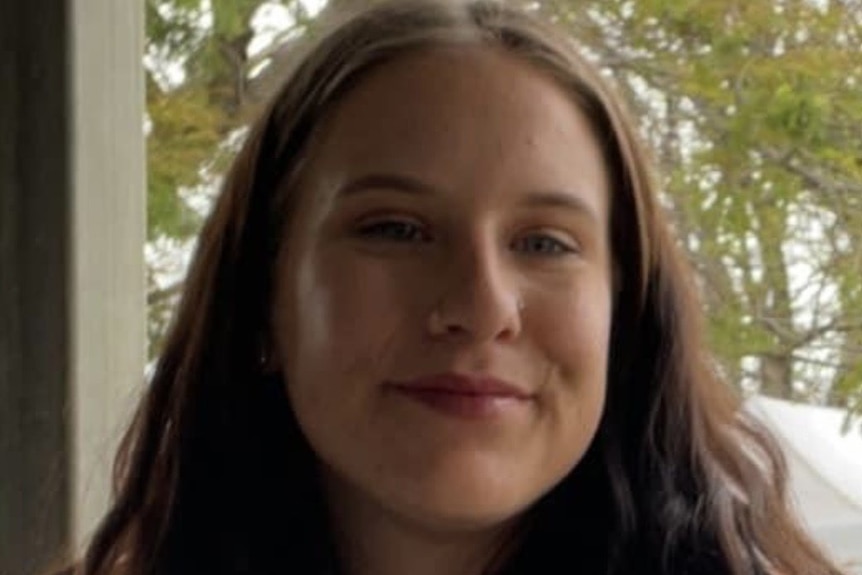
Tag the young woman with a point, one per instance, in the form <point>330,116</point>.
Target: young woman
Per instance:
<point>436,324</point>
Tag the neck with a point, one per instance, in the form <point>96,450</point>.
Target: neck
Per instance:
<point>375,541</point>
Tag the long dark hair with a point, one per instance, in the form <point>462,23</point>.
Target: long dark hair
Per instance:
<point>214,476</point>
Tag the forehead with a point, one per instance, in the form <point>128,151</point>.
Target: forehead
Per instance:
<point>458,114</point>
<point>434,91</point>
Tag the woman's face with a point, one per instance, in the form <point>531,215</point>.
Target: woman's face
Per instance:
<point>443,298</point>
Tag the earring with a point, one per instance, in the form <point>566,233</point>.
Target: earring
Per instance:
<point>265,360</point>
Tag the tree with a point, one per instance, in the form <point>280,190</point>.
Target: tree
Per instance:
<point>753,109</point>
<point>202,87</point>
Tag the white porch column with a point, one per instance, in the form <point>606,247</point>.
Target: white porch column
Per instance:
<point>72,312</point>
<point>108,231</point>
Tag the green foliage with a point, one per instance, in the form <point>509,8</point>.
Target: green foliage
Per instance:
<point>185,134</point>
<point>754,107</point>
<point>231,17</point>
<point>172,25</point>
<point>772,91</point>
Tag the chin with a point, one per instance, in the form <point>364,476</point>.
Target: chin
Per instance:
<point>462,519</point>
<point>451,508</point>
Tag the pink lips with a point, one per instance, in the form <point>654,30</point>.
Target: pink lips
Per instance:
<point>464,396</point>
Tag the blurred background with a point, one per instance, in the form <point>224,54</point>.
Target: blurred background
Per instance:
<point>752,109</point>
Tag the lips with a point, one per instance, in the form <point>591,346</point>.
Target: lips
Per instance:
<point>465,385</point>
<point>467,396</point>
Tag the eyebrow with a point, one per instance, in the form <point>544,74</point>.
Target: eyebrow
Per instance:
<point>413,186</point>
<point>566,201</point>
<point>390,182</point>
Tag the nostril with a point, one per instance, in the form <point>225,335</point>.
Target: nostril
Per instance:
<point>455,328</point>
<point>439,324</point>
<point>482,320</point>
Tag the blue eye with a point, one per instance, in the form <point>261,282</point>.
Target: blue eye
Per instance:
<point>543,245</point>
<point>394,230</point>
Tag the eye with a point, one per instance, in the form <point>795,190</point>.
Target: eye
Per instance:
<point>394,231</point>
<point>543,245</point>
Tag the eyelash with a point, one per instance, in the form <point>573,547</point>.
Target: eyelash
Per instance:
<point>382,231</point>
<point>557,247</point>
<point>402,231</point>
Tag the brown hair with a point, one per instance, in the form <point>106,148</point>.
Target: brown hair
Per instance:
<point>213,475</point>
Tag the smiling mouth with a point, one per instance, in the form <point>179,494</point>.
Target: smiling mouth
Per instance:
<point>466,397</point>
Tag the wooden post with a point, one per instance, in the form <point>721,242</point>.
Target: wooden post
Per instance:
<point>71,266</point>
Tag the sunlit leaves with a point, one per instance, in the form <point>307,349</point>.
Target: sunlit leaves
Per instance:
<point>753,107</point>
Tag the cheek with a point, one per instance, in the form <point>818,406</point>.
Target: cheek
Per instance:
<point>350,322</point>
<point>575,333</point>
<point>347,316</point>
<point>574,336</point>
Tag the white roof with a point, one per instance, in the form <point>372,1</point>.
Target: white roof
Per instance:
<point>825,465</point>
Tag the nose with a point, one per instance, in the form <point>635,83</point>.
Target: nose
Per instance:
<point>479,298</point>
